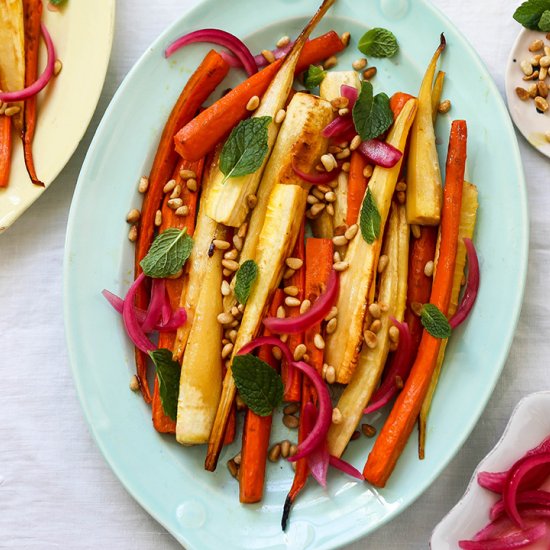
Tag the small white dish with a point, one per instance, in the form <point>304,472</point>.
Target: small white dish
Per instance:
<point>532,124</point>
<point>527,427</point>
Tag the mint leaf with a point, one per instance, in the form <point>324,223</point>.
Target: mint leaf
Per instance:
<point>246,276</point>
<point>369,220</point>
<point>544,23</point>
<point>167,254</point>
<point>529,13</point>
<point>168,374</point>
<point>57,2</point>
<point>434,321</point>
<point>378,42</point>
<point>372,116</point>
<point>313,77</point>
<point>245,149</point>
<point>259,385</point>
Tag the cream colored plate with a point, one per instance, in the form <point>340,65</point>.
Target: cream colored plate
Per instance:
<point>82,33</point>
<point>532,124</point>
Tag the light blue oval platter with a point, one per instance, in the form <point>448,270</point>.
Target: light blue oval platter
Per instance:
<point>202,509</point>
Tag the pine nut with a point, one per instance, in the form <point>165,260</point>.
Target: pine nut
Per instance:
<point>291,301</point>
<point>330,196</point>
<point>351,231</point>
<point>382,263</point>
<point>242,230</point>
<point>221,245</point>
<point>251,201</point>
<point>545,61</point>
<point>143,184</point>
<point>268,56</point>
<point>253,103</point>
<point>543,73</point>
<point>401,197</point>
<point>281,314</point>
<point>133,216</point>
<point>444,106</point>
<point>536,45</point>
<point>429,268</point>
<point>368,430</point>
<point>299,352</point>
<point>233,468</point>
<point>294,263</point>
<point>340,240</point>
<point>57,67</point>
<point>331,326</point>
<point>393,333</point>
<point>133,234</point>
<point>340,266</point>
<point>317,208</point>
<point>13,110</point>
<point>369,73</point>
<point>182,210</point>
<point>336,257</point>
<point>280,116</point>
<point>336,416</point>
<point>416,231</point>
<point>232,265</point>
<point>188,174</point>
<point>158,218</point>
<point>331,314</point>
<point>288,273</point>
<point>541,104</point>
<point>342,112</point>
<point>370,339</point>
<point>174,204</point>
<point>304,306</point>
<point>312,199</point>
<point>318,341</point>
<point>331,62</point>
<point>542,89</point>
<point>291,290</point>
<point>367,171</point>
<point>237,459</point>
<point>274,453</point>
<point>330,209</point>
<point>339,102</point>
<point>277,353</point>
<point>375,326</point>
<point>330,375</point>
<point>328,161</point>
<point>401,186</point>
<point>176,192</point>
<point>532,76</point>
<point>345,38</point>
<point>290,421</point>
<point>169,187</point>
<point>225,318</point>
<point>285,448</point>
<point>134,383</point>
<point>374,310</point>
<point>355,435</point>
<point>345,167</point>
<point>226,351</point>
<point>291,408</point>
<point>526,67</point>
<point>191,184</point>
<point>383,307</point>
<point>293,450</point>
<point>535,60</point>
<point>226,289</point>
<point>355,142</point>
<point>237,243</point>
<point>283,41</point>
<point>359,64</point>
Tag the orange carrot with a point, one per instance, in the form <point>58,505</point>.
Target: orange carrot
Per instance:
<point>33,16</point>
<point>293,388</point>
<point>5,150</point>
<point>231,428</point>
<point>399,425</point>
<point>397,102</point>
<point>202,83</point>
<point>419,286</point>
<point>162,422</point>
<point>201,135</point>
<point>357,185</point>
<point>256,433</point>
<point>318,262</point>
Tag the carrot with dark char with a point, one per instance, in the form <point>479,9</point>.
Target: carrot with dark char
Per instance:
<point>256,433</point>
<point>161,421</point>
<point>318,264</point>
<point>5,150</point>
<point>32,10</point>
<point>399,425</point>
<point>200,136</point>
<point>202,83</point>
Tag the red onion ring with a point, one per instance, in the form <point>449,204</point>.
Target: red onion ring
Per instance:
<point>318,433</point>
<point>315,314</point>
<point>220,37</point>
<point>267,341</point>
<point>537,498</point>
<point>156,303</point>
<point>350,93</point>
<point>320,178</point>
<point>318,459</point>
<point>260,60</point>
<point>131,323</point>
<point>345,467</point>
<point>472,286</point>
<point>41,82</point>
<point>339,126</point>
<point>380,153</point>
<point>519,539</point>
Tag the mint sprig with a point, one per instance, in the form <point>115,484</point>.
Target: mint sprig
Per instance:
<point>530,15</point>
<point>313,77</point>
<point>372,115</point>
<point>168,374</point>
<point>378,42</point>
<point>369,219</point>
<point>246,147</point>
<point>434,321</point>
<point>245,279</point>
<point>259,385</point>
<point>167,254</point>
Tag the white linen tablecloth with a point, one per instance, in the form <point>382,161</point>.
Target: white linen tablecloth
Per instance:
<point>56,491</point>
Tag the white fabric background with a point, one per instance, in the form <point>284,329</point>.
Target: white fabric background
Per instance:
<point>56,491</point>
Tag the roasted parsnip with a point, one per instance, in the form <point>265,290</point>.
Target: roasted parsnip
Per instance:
<point>227,202</point>
<point>372,359</point>
<point>424,193</point>
<point>201,368</point>
<point>344,344</point>
<point>436,93</point>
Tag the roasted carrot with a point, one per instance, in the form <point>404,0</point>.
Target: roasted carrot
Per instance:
<point>201,135</point>
<point>256,433</point>
<point>357,185</point>
<point>33,15</point>
<point>202,83</point>
<point>399,425</point>
<point>5,150</point>
<point>419,286</point>
<point>293,387</point>
<point>161,422</point>
<point>397,102</point>
<point>318,262</point>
